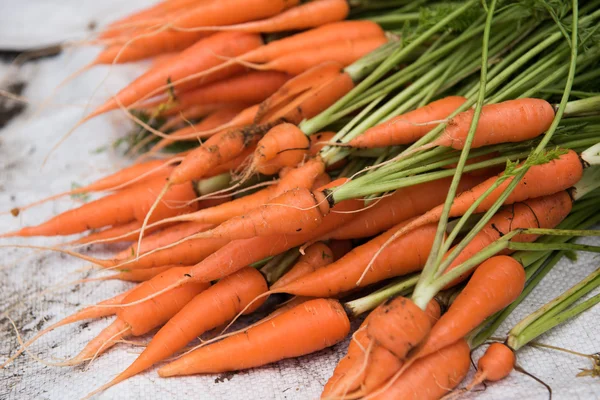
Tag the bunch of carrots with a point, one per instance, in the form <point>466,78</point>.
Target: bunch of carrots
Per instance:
<point>418,166</point>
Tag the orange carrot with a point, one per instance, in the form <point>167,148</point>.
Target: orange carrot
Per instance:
<point>403,204</point>
<point>345,53</point>
<point>200,56</point>
<point>137,173</point>
<point>316,256</point>
<point>120,208</point>
<point>398,325</point>
<point>297,210</point>
<point>192,113</point>
<point>308,15</point>
<point>539,180</point>
<point>249,88</point>
<point>141,318</point>
<point>138,275</point>
<point>314,38</point>
<point>496,363</point>
<point>166,39</point>
<point>340,248</point>
<point>433,376</point>
<point>495,284</point>
<point>506,122</point>
<point>540,212</point>
<point>91,312</point>
<point>408,128</point>
<point>209,309</point>
<point>368,369</point>
<point>306,328</point>
<point>283,146</point>
<point>344,274</point>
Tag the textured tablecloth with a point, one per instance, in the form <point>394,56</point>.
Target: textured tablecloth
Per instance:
<point>24,143</point>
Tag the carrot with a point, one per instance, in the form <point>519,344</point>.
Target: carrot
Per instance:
<point>140,47</point>
<point>314,38</point>
<point>114,234</point>
<point>495,284</point>
<point>403,204</point>
<point>301,177</point>
<point>316,256</point>
<point>213,120</point>
<point>207,310</point>
<point>344,52</point>
<point>306,328</point>
<point>141,318</point>
<point>312,102</point>
<point>340,248</point>
<point>138,275</point>
<point>137,173</point>
<point>540,212</point>
<point>283,146</point>
<point>308,15</point>
<point>250,88</point>
<point>406,254</point>
<point>496,363</point>
<point>432,376</point>
<point>91,312</point>
<point>200,56</point>
<point>408,128</point>
<point>321,180</point>
<point>119,208</point>
<point>297,210</point>
<point>539,180</point>
<point>507,122</point>
<point>309,80</point>
<point>368,369</point>
<point>166,39</point>
<point>163,59</point>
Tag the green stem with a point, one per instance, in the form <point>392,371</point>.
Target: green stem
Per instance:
<point>278,265</point>
<point>431,266</point>
<point>369,302</point>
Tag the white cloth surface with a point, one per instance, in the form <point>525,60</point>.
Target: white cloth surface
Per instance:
<point>24,143</point>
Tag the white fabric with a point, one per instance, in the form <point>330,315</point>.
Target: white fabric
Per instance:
<point>23,273</point>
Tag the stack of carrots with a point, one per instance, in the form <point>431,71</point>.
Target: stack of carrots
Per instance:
<point>335,171</point>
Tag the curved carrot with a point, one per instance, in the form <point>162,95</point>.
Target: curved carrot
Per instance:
<point>344,52</point>
<point>207,310</point>
<point>119,208</point>
<point>316,256</point>
<point>495,284</point>
<point>433,376</point>
<point>306,328</point>
<point>200,56</point>
<point>308,15</point>
<point>401,205</point>
<point>409,127</point>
